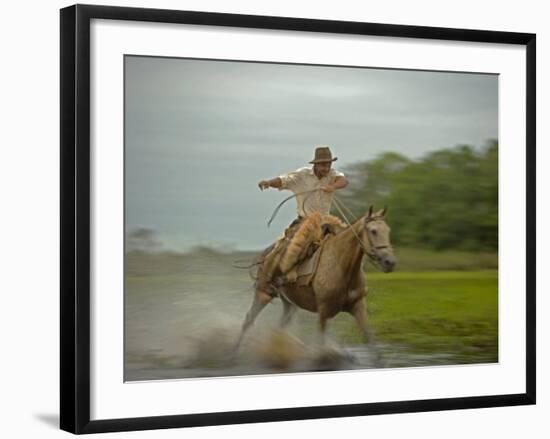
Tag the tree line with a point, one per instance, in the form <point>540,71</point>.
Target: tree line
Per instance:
<point>446,200</point>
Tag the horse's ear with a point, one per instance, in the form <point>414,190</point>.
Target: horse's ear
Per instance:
<point>369,213</point>
<point>384,211</point>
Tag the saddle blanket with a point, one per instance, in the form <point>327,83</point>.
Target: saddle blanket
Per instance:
<point>306,270</point>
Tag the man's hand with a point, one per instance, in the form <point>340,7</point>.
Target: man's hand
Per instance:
<point>264,184</point>
<point>340,182</point>
<point>274,182</point>
<point>328,188</point>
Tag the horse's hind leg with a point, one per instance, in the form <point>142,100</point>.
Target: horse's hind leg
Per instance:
<point>261,299</point>
<point>323,330</point>
<point>323,323</point>
<point>288,311</point>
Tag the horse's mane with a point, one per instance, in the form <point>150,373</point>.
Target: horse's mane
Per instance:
<point>335,223</point>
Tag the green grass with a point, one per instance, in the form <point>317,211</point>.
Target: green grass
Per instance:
<point>434,313</point>
<point>409,259</point>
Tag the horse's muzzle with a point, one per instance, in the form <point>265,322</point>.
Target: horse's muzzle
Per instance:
<point>387,263</point>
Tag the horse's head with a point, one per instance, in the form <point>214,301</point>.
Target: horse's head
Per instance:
<point>378,235</point>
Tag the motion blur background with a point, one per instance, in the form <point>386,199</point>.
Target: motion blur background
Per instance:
<point>37,190</point>
<point>200,134</point>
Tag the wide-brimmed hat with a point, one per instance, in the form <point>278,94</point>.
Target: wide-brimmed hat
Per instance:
<point>323,155</point>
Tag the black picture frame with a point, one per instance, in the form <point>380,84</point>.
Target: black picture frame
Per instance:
<point>75,217</point>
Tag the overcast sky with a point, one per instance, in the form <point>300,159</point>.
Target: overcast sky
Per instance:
<point>199,135</point>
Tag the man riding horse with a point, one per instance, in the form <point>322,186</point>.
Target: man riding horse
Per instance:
<point>331,280</point>
<point>314,188</point>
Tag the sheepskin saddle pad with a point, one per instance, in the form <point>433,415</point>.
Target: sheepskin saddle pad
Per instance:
<point>307,236</point>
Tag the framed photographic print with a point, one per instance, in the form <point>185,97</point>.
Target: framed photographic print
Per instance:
<point>293,205</point>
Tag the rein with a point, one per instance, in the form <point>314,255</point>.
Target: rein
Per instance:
<point>373,259</point>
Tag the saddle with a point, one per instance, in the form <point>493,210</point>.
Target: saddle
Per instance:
<point>303,273</point>
<point>299,252</point>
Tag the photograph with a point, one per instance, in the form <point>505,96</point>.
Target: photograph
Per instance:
<point>286,218</point>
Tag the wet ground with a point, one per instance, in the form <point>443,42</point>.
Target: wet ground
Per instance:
<point>327,359</point>
<point>183,316</point>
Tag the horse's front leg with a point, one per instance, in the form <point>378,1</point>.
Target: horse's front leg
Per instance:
<point>359,311</point>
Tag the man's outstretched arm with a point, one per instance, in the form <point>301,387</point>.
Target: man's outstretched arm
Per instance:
<point>274,182</point>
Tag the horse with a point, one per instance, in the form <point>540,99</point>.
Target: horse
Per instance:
<point>338,284</point>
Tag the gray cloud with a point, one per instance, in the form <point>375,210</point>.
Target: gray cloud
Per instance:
<point>200,134</point>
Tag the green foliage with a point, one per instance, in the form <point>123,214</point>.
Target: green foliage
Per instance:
<point>447,200</point>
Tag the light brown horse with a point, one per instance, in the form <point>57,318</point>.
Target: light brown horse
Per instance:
<point>339,282</point>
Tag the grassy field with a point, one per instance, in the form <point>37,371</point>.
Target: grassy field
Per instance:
<point>433,312</point>
<point>409,259</point>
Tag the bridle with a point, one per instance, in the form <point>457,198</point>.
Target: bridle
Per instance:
<point>373,257</point>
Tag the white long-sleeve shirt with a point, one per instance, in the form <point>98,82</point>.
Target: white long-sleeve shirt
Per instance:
<point>304,179</point>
